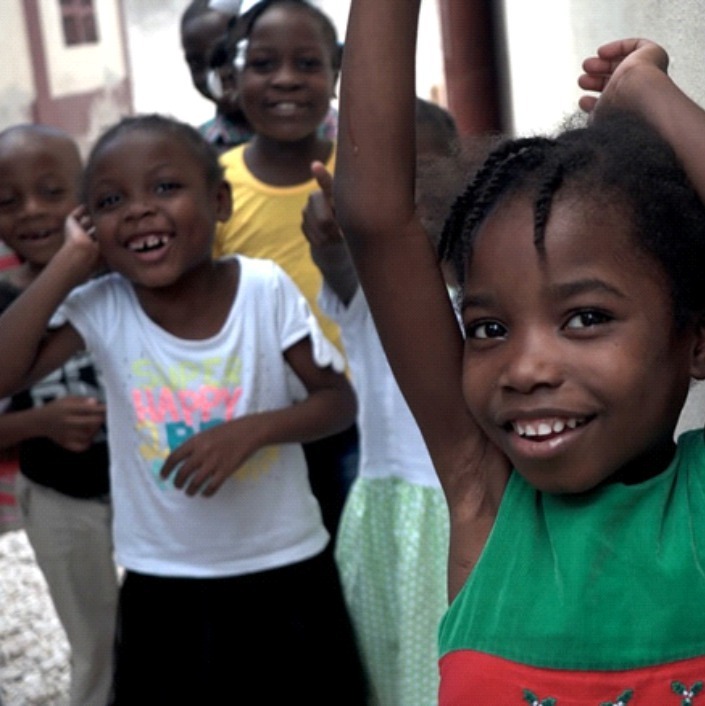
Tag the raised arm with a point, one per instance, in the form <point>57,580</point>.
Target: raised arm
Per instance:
<point>398,269</point>
<point>632,74</point>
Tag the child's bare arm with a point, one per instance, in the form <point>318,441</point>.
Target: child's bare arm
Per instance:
<point>209,458</point>
<point>23,326</point>
<point>328,249</point>
<point>398,268</point>
<point>395,260</point>
<point>374,200</point>
<point>632,74</point>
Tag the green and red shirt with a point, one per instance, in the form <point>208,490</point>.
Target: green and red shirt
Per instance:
<point>594,599</point>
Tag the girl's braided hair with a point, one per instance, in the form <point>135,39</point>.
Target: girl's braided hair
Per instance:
<point>616,160</point>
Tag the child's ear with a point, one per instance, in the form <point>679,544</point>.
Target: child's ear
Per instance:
<point>224,201</point>
<point>697,363</point>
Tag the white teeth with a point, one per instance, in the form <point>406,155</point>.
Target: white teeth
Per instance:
<point>147,243</point>
<point>545,427</point>
<point>286,108</point>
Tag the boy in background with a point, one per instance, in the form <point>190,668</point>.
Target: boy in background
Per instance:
<point>58,424</point>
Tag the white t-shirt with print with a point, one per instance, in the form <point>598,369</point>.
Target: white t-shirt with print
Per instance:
<point>161,389</point>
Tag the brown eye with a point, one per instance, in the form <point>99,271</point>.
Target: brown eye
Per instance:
<point>587,319</point>
<point>486,329</point>
<point>107,201</point>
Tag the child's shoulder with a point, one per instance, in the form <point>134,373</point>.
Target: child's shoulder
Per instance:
<point>266,285</point>
<point>259,270</point>
<point>103,283</point>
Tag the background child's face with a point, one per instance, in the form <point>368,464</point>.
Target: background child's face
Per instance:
<point>288,79</point>
<point>152,208</point>
<point>572,364</point>
<point>199,38</point>
<point>39,177</point>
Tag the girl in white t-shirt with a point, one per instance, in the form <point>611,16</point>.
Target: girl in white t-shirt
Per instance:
<point>228,571</point>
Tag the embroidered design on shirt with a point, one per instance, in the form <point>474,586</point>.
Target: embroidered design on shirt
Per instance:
<point>687,694</point>
<point>624,698</point>
<point>534,700</point>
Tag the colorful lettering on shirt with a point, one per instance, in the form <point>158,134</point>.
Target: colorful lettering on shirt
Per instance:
<point>173,404</point>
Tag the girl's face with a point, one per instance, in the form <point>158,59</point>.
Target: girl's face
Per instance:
<point>288,79</point>
<point>153,211</point>
<point>572,363</point>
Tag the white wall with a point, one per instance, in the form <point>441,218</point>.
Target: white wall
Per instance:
<point>16,83</point>
<point>160,78</point>
<point>548,39</point>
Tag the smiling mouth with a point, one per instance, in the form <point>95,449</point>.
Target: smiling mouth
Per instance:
<point>38,235</point>
<point>285,108</point>
<point>541,429</point>
<point>148,243</point>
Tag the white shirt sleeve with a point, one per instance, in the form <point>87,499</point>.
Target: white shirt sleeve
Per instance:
<point>230,7</point>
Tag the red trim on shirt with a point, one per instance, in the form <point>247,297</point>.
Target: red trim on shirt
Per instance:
<point>469,677</point>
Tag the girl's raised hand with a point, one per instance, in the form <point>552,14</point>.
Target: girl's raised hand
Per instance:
<point>80,240</point>
<point>605,73</point>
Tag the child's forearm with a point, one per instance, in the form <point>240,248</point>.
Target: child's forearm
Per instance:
<point>206,460</point>
<point>678,118</point>
<point>24,324</point>
<point>323,413</point>
<point>374,184</point>
<point>395,260</point>
<point>333,260</point>
<point>16,427</point>
<point>631,74</point>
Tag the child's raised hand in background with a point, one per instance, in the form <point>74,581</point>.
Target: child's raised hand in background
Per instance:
<point>613,66</point>
<point>328,248</point>
<point>319,223</point>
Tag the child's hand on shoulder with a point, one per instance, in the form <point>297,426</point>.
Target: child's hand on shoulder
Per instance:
<point>205,461</point>
<point>615,73</point>
<point>80,242</point>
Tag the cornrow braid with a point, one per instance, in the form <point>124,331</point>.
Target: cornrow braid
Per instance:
<point>543,203</point>
<point>503,169</point>
<point>618,161</point>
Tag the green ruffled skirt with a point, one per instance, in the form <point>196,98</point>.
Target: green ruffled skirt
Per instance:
<point>392,552</point>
